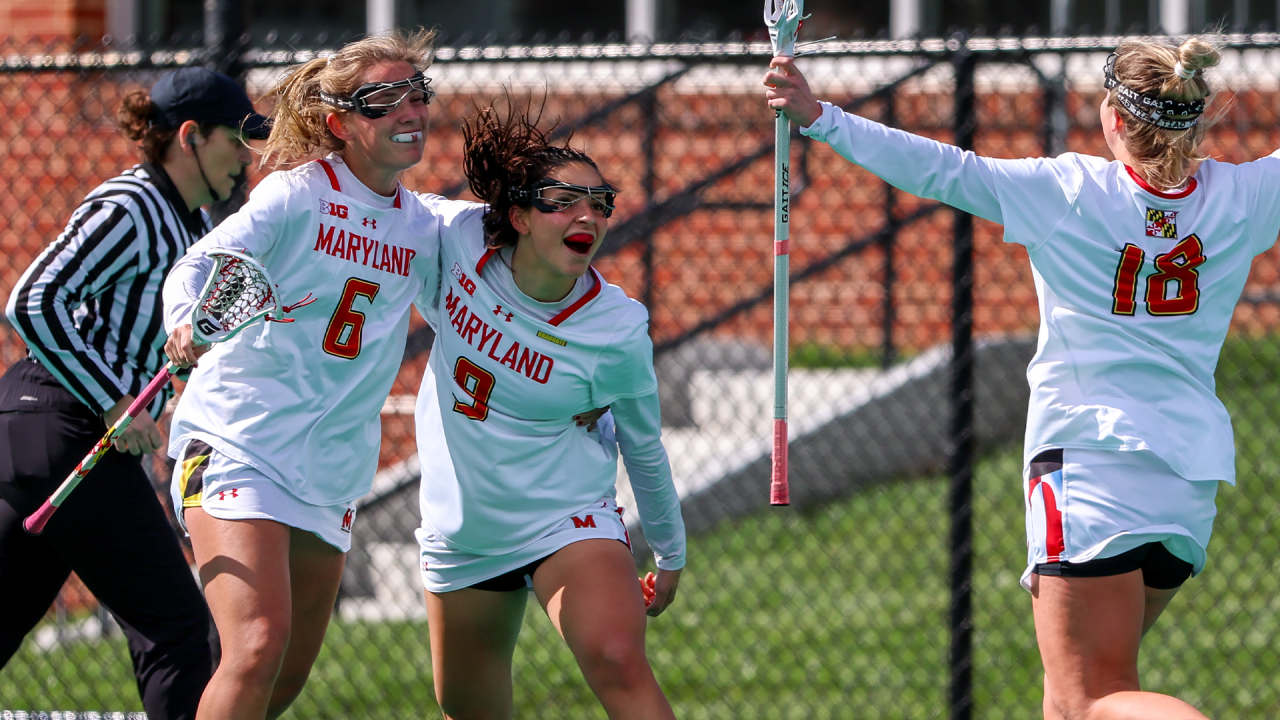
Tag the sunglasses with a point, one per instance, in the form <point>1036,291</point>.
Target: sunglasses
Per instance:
<point>373,100</point>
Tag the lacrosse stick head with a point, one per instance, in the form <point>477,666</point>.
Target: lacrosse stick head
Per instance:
<point>783,17</point>
<point>237,294</point>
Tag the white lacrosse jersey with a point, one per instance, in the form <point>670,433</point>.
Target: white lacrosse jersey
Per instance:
<point>503,462</point>
<point>301,400</point>
<point>1136,287</point>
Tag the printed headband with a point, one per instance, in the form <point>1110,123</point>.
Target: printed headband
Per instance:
<point>1161,112</point>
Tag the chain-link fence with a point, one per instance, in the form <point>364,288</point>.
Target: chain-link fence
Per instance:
<point>855,601</point>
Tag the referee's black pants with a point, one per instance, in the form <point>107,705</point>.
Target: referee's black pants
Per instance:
<point>113,533</point>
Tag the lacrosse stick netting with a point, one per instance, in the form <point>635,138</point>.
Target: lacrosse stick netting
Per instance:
<point>237,293</point>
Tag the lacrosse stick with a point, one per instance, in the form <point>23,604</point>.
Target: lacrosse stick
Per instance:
<point>238,293</point>
<point>782,17</point>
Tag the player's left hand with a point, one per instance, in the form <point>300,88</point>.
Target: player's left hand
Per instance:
<point>659,592</point>
<point>789,92</point>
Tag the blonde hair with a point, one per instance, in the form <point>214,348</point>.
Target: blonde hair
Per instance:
<point>1164,157</point>
<point>298,128</point>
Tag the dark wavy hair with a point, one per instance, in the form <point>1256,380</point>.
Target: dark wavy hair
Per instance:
<point>507,150</point>
<point>136,119</point>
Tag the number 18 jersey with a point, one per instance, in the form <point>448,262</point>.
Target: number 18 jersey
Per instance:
<point>1137,287</point>
<point>502,460</point>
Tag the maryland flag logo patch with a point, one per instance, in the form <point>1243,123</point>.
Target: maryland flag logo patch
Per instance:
<point>1162,223</point>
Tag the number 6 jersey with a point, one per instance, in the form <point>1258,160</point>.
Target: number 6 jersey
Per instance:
<point>502,460</point>
<point>1137,287</point>
<point>301,400</point>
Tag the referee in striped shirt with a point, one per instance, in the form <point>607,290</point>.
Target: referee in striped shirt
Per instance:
<point>89,310</point>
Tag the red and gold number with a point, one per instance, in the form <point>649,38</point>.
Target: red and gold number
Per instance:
<point>1178,265</point>
<point>1126,290</point>
<point>342,338</point>
<point>477,383</point>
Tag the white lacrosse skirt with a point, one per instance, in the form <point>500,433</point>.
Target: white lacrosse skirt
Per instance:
<point>231,490</point>
<point>1102,503</point>
<point>445,568</point>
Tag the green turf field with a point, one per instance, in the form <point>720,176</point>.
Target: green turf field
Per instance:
<point>837,613</point>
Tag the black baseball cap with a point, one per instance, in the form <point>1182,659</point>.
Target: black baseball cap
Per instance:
<point>196,93</point>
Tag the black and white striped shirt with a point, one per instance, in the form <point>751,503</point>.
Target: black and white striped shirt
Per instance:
<point>90,306</point>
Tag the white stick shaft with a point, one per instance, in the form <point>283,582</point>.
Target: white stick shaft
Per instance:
<point>781,258</point>
<point>779,491</point>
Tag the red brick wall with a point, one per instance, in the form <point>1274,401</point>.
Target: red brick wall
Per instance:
<point>52,19</point>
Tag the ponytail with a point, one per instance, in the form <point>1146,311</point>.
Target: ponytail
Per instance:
<point>298,127</point>
<point>1164,157</point>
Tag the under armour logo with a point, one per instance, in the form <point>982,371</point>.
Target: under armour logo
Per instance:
<point>233,492</point>
<point>498,311</point>
<point>370,222</point>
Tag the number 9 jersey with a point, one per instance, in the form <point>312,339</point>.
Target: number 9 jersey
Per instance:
<point>503,462</point>
<point>301,400</point>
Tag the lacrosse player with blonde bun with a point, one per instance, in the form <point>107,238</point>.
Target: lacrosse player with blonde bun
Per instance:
<point>1138,264</point>
<point>278,431</point>
<point>515,494</point>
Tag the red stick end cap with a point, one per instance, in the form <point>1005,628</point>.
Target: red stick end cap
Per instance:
<point>779,494</point>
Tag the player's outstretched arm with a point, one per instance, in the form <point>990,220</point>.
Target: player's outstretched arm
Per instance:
<point>918,165</point>
<point>789,92</point>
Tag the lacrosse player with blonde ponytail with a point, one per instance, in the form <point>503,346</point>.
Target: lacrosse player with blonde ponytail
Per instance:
<point>278,431</point>
<point>1138,265</point>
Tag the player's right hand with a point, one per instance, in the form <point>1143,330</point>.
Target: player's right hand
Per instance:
<point>182,348</point>
<point>789,92</point>
<point>142,437</point>
<point>659,591</point>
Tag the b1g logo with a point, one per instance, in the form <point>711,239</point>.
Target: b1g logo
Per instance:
<point>467,283</point>
<point>1162,223</point>
<point>328,208</point>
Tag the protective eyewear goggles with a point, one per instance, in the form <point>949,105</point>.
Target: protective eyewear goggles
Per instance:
<point>373,100</point>
<point>600,197</point>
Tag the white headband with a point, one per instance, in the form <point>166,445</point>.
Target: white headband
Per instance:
<point>1182,72</point>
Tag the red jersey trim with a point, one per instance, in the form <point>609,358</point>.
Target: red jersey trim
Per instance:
<point>484,260</point>
<point>591,294</point>
<point>1190,188</point>
<point>333,177</point>
<point>398,189</point>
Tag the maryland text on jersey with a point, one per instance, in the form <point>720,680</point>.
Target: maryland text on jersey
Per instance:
<point>364,250</point>
<point>479,334</point>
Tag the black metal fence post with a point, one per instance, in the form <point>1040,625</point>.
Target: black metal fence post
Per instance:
<point>961,451</point>
<point>1054,135</point>
<point>649,108</point>
<point>888,353</point>
<point>224,28</point>
<point>224,24</point>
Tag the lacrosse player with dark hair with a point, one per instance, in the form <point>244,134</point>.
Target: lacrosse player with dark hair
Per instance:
<point>278,431</point>
<point>515,495</point>
<point>89,310</point>
<point>1138,265</point>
